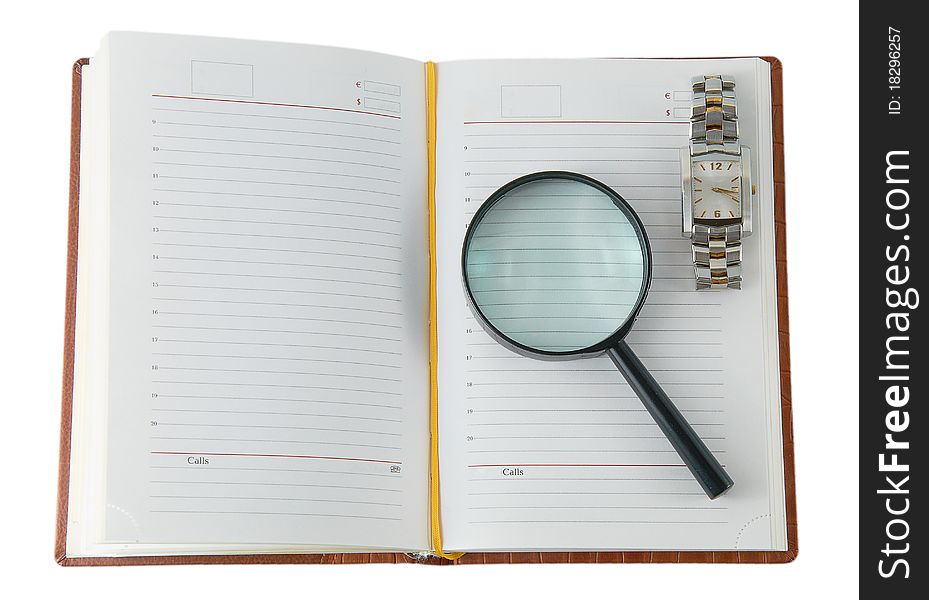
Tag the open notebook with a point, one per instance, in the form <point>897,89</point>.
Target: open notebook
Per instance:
<point>268,351</point>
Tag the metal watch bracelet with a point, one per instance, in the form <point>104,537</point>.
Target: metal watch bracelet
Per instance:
<point>717,249</point>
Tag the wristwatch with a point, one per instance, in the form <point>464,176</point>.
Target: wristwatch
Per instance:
<point>716,185</point>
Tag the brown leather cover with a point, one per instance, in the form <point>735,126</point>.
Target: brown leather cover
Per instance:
<point>777,100</point>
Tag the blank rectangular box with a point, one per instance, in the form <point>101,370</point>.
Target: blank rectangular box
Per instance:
<point>382,105</point>
<point>376,87</point>
<point>221,79</point>
<point>681,113</point>
<point>679,96</point>
<point>525,101</point>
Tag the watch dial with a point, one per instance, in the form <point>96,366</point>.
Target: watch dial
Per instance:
<point>717,192</point>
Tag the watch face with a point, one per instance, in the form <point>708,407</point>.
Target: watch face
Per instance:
<point>717,189</point>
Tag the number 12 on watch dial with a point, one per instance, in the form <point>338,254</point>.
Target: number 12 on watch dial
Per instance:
<point>716,190</point>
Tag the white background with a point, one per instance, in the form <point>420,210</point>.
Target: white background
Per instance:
<point>818,45</point>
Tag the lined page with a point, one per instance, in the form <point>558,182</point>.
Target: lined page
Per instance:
<point>538,454</point>
<point>268,357</point>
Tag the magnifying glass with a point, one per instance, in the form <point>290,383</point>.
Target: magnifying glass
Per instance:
<point>557,266</point>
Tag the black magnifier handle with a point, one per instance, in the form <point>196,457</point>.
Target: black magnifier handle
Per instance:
<point>698,458</point>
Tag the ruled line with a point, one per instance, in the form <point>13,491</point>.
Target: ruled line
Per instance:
<point>276,513</point>
<point>270,143</point>
<point>290,304</point>
<point>287,224</point>
<point>272,441</point>
<point>575,122</point>
<point>253,330</point>
<point>258,275</point>
<point>279,263</point>
<point>265,249</point>
<point>577,451</point>
<point>313,133</point>
<point>480,466</point>
<point>584,493</point>
<point>284,427</point>
<point>597,521</point>
<point>284,210</point>
<point>290,183</point>
<point>277,413</point>
<point>573,134</point>
<point>260,116</point>
<point>281,237</point>
<point>625,507</point>
<point>294,358</point>
<point>273,470</point>
<point>273,372</point>
<point>268,169</point>
<point>277,385</point>
<point>256,455</point>
<point>251,343</point>
<point>315,319</point>
<point>265,399</point>
<point>320,500</point>
<point>276,484</point>
<point>278,156</point>
<point>281,104</point>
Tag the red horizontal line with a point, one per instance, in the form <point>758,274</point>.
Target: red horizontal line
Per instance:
<point>349,110</point>
<point>571,465</point>
<point>373,460</point>
<point>565,121</point>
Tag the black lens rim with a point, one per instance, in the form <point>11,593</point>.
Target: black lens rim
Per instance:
<point>595,349</point>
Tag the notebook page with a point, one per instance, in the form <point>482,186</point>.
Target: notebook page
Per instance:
<point>268,356</point>
<point>562,455</point>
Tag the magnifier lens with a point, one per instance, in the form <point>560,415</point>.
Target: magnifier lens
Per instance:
<point>556,265</point>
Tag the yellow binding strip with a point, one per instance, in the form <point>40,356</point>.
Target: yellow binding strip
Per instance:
<point>435,505</point>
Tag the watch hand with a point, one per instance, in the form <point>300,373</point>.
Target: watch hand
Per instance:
<point>725,190</point>
<point>733,194</point>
